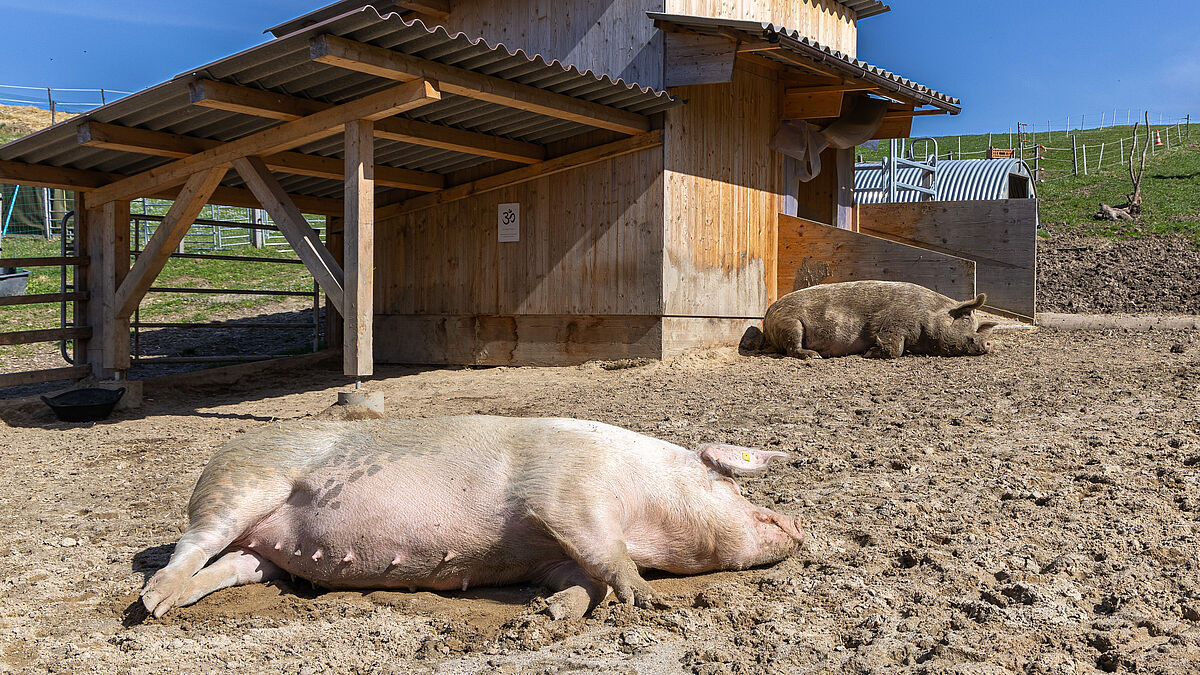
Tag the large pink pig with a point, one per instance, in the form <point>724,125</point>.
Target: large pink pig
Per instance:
<point>453,502</point>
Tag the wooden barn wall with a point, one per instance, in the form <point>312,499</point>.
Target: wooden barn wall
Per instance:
<point>611,37</point>
<point>825,21</point>
<point>590,244</point>
<point>723,195</point>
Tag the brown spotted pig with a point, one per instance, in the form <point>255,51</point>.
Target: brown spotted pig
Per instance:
<point>879,319</point>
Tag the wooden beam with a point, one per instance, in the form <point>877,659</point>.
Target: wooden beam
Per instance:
<point>825,88</point>
<point>900,114</point>
<point>276,139</point>
<point>170,232</point>
<point>25,337</point>
<point>287,108</point>
<point>39,298</point>
<point>812,106</point>
<point>381,62</point>
<point>54,261</point>
<point>56,177</point>
<point>300,235</point>
<point>250,101</point>
<point>163,144</point>
<point>459,140</point>
<point>81,180</point>
<point>111,234</point>
<point>439,9</point>
<point>524,174</point>
<point>359,235</point>
<point>47,375</point>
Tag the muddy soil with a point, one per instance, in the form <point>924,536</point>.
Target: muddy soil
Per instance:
<point>1033,510</point>
<point>1094,275</point>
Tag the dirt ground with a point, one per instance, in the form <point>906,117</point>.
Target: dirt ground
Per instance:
<point>1033,510</point>
<point>1094,275</point>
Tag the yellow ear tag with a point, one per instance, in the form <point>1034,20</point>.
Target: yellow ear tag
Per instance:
<point>745,457</point>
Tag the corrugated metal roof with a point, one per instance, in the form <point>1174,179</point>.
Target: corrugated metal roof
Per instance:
<point>862,9</point>
<point>848,66</point>
<point>283,65</point>
<point>958,180</point>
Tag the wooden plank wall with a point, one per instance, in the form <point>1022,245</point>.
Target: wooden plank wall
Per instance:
<point>999,235</point>
<point>613,37</point>
<point>724,188</point>
<point>825,21</point>
<point>590,245</point>
<point>814,253</point>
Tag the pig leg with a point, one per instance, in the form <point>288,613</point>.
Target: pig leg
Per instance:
<point>577,592</point>
<point>887,346</point>
<point>219,512</point>
<point>236,568</point>
<point>596,543</point>
<point>793,343</point>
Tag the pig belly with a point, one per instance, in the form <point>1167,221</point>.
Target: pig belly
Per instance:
<point>832,337</point>
<point>380,535</point>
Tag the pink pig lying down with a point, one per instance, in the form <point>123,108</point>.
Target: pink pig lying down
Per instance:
<point>453,502</point>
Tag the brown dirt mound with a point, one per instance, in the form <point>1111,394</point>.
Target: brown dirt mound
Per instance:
<point>1095,275</point>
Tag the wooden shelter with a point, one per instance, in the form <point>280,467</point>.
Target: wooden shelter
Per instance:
<point>491,199</point>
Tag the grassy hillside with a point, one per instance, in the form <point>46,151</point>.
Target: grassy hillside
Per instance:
<point>17,121</point>
<point>1170,188</point>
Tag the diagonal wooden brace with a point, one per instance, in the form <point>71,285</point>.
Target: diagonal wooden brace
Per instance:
<point>171,231</point>
<point>303,239</point>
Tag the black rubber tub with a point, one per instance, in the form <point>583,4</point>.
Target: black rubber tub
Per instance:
<point>84,405</point>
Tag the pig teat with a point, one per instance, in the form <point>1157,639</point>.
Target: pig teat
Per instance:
<point>734,459</point>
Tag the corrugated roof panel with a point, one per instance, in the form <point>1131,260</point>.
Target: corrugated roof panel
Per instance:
<point>797,43</point>
<point>284,66</point>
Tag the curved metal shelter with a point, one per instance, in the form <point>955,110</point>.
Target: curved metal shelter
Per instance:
<point>957,180</point>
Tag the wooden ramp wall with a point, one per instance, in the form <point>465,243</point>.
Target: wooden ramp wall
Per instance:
<point>813,253</point>
<point>999,235</point>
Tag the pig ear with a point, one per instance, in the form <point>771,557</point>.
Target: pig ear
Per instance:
<point>986,327</point>
<point>734,459</point>
<point>967,306</point>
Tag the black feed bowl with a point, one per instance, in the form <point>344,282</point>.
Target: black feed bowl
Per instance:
<point>84,405</point>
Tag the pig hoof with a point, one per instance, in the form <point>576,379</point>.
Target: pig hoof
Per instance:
<point>162,592</point>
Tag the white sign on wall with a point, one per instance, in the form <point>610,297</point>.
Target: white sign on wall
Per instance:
<point>508,222</point>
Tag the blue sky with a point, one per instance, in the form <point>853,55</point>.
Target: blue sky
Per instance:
<point>1016,60</point>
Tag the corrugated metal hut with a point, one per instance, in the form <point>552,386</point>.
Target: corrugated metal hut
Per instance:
<point>506,183</point>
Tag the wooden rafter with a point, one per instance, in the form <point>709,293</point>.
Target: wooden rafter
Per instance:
<point>191,199</point>
<point>826,88</point>
<point>82,180</point>
<point>525,174</point>
<point>283,107</point>
<point>300,235</point>
<point>274,140</point>
<point>365,58</point>
<point>163,144</point>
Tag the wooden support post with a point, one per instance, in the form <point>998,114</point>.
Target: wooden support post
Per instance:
<point>107,232</point>
<point>844,214</point>
<point>171,230</point>
<point>358,307</point>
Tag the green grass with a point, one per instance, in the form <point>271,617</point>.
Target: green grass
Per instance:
<point>160,307</point>
<point>1170,187</point>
